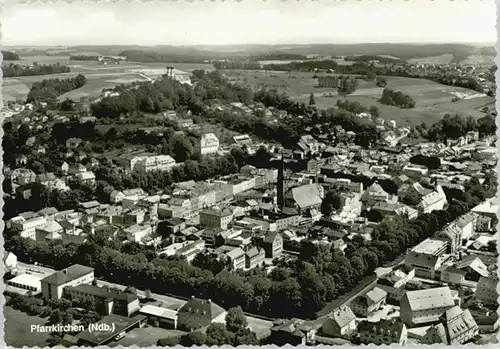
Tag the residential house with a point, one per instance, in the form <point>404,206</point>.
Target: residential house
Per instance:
<point>435,200</point>
<point>190,249</point>
<point>73,143</point>
<point>215,218</point>
<point>23,176</point>
<point>397,278</point>
<point>86,178</point>
<point>456,326</point>
<point>9,262</point>
<point>272,244</point>
<point>116,196</point>
<point>54,284</point>
<point>293,332</point>
<point>235,255</point>
<point>209,144</point>
<point>383,332</point>
<point>474,268</point>
<point>367,304</point>
<point>340,323</point>
<point>452,275</point>
<point>375,193</point>
<point>198,313</point>
<point>415,171</point>
<point>425,306</point>
<point>486,290</point>
<point>154,163</point>
<point>254,257</point>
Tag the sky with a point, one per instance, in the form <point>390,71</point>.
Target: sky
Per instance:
<point>248,22</point>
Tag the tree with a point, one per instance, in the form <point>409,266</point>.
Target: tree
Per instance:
<point>169,341</point>
<point>217,334</point>
<point>311,99</point>
<point>331,202</point>
<point>194,338</point>
<point>374,111</point>
<point>236,320</point>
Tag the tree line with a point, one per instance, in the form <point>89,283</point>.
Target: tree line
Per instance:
<point>83,58</point>
<point>455,126</point>
<point>151,57</point>
<point>12,70</point>
<point>370,58</point>
<point>10,56</point>
<point>237,64</point>
<point>48,90</point>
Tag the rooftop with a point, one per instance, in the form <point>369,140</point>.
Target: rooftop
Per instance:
<point>64,276</point>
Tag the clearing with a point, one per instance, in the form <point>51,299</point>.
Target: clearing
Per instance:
<point>18,332</point>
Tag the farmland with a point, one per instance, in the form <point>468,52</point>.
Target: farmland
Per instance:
<point>98,76</point>
<point>433,100</point>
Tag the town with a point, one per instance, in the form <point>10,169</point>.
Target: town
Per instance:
<point>216,205</point>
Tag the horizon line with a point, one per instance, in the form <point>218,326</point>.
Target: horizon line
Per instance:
<point>280,44</point>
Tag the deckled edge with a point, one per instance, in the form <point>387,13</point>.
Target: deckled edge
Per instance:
<point>497,122</point>
<point>2,225</point>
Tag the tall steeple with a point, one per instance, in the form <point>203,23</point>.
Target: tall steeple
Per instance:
<point>281,183</point>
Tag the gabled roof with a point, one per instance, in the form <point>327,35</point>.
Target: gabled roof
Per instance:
<point>430,298</point>
<point>342,316</point>
<point>64,276</point>
<point>198,312</point>
<point>306,195</point>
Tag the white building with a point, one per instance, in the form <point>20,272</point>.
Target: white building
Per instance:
<point>27,227</point>
<point>53,285</point>
<point>209,144</point>
<point>154,163</point>
<point>425,306</point>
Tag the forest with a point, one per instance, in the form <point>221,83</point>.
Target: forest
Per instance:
<point>48,90</point>
<point>13,70</point>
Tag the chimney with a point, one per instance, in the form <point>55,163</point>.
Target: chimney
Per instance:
<point>209,300</point>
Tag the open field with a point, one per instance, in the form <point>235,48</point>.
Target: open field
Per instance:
<point>433,100</point>
<point>99,76</point>
<point>145,337</point>
<point>441,59</point>
<point>479,60</point>
<point>17,329</point>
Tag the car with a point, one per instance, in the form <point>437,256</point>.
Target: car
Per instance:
<point>120,335</point>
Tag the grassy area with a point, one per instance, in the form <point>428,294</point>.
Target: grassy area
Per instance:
<point>145,337</point>
<point>441,59</point>
<point>17,329</point>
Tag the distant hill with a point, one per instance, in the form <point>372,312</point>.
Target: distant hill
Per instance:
<point>10,56</point>
<point>199,53</point>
